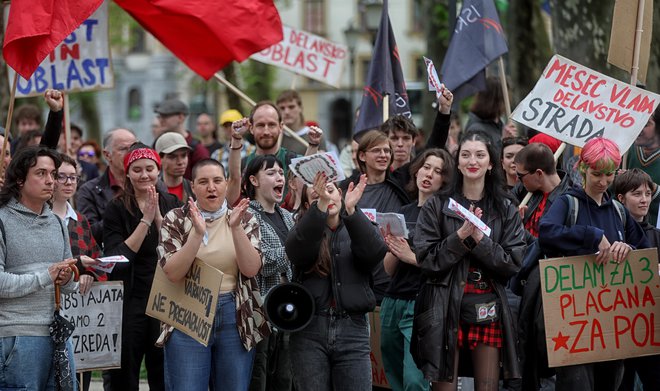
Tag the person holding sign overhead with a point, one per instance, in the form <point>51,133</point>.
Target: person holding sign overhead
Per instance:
<point>598,225</point>
<point>461,311</point>
<point>130,228</point>
<point>229,241</point>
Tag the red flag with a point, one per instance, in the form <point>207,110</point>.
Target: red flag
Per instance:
<point>209,34</point>
<point>36,27</point>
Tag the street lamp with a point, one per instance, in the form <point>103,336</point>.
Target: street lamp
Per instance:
<point>351,34</point>
<point>372,11</point>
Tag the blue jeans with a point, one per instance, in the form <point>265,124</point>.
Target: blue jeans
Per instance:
<point>26,363</point>
<point>396,319</point>
<point>223,365</point>
<point>332,353</point>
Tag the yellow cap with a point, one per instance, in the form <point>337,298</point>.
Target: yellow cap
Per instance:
<point>230,116</point>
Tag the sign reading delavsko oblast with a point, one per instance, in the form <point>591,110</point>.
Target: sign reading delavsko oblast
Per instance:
<point>601,312</point>
<point>574,104</point>
<point>188,305</point>
<point>98,318</point>
<point>80,63</point>
<point>308,55</point>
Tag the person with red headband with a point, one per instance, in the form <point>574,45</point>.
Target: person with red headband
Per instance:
<point>131,228</point>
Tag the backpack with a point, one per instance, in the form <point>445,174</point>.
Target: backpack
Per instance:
<point>574,209</point>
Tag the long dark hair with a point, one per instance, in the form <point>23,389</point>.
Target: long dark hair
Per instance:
<point>494,192</point>
<point>127,195</point>
<point>447,169</point>
<point>18,168</point>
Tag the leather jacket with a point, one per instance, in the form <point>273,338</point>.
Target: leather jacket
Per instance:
<point>445,260</point>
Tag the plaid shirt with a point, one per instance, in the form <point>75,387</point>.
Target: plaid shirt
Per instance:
<point>83,243</point>
<point>275,261</point>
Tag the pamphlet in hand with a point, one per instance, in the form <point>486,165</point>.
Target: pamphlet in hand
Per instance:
<point>107,264</point>
<point>307,167</point>
<point>434,80</point>
<point>371,214</point>
<point>469,216</point>
<point>395,222</point>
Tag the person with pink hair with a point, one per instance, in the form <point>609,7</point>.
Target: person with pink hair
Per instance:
<point>602,226</point>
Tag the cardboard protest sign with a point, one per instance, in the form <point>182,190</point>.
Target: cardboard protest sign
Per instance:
<point>308,55</point>
<point>575,104</point>
<point>622,38</point>
<point>80,63</point>
<point>98,318</point>
<point>601,312</point>
<point>190,304</point>
<point>378,377</point>
<point>306,167</point>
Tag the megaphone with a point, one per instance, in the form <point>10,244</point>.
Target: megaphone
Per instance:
<point>289,306</point>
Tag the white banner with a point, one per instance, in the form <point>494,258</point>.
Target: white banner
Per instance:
<point>97,317</point>
<point>308,55</point>
<point>80,63</point>
<point>575,104</point>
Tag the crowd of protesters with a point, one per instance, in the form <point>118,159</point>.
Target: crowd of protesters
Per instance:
<point>236,206</point>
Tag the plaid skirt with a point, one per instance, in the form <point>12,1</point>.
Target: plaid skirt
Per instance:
<point>472,334</point>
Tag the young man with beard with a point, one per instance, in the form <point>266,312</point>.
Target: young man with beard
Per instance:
<point>173,151</point>
<point>263,184</point>
<point>265,124</point>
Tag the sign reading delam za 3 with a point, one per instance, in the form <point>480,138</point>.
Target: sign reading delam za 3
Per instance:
<point>574,104</point>
<point>308,55</point>
<point>601,312</point>
<point>97,316</point>
<point>80,63</point>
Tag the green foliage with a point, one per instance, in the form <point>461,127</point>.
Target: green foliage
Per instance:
<point>120,22</point>
<point>257,80</point>
<point>439,19</point>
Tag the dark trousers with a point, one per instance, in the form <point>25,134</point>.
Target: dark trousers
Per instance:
<point>139,333</point>
<point>272,364</point>
<point>600,376</point>
<point>648,370</point>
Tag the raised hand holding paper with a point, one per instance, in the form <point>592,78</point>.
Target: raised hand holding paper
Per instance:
<point>395,222</point>
<point>469,216</point>
<point>434,80</point>
<point>307,167</point>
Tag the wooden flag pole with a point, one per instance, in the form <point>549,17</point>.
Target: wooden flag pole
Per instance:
<point>386,107</point>
<point>505,90</point>
<point>557,154</point>
<point>10,113</point>
<point>252,103</point>
<point>635,64</point>
<point>67,124</point>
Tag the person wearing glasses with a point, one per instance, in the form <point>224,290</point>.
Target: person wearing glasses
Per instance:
<point>383,193</point>
<point>83,246</point>
<point>90,152</point>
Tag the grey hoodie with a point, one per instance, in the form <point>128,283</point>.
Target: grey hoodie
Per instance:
<point>32,243</point>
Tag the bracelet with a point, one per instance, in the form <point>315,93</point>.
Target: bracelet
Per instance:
<point>148,224</point>
<point>313,145</point>
<point>236,148</point>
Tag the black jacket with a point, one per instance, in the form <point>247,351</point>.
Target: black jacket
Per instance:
<point>445,260</point>
<point>119,224</point>
<point>356,247</point>
<point>91,200</point>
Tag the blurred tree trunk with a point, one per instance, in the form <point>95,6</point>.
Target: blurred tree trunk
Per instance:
<point>581,32</point>
<point>232,99</point>
<point>529,47</point>
<point>653,74</point>
<point>437,24</point>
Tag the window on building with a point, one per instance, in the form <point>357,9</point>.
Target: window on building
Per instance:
<point>134,104</point>
<point>138,40</point>
<point>417,16</point>
<point>314,16</point>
